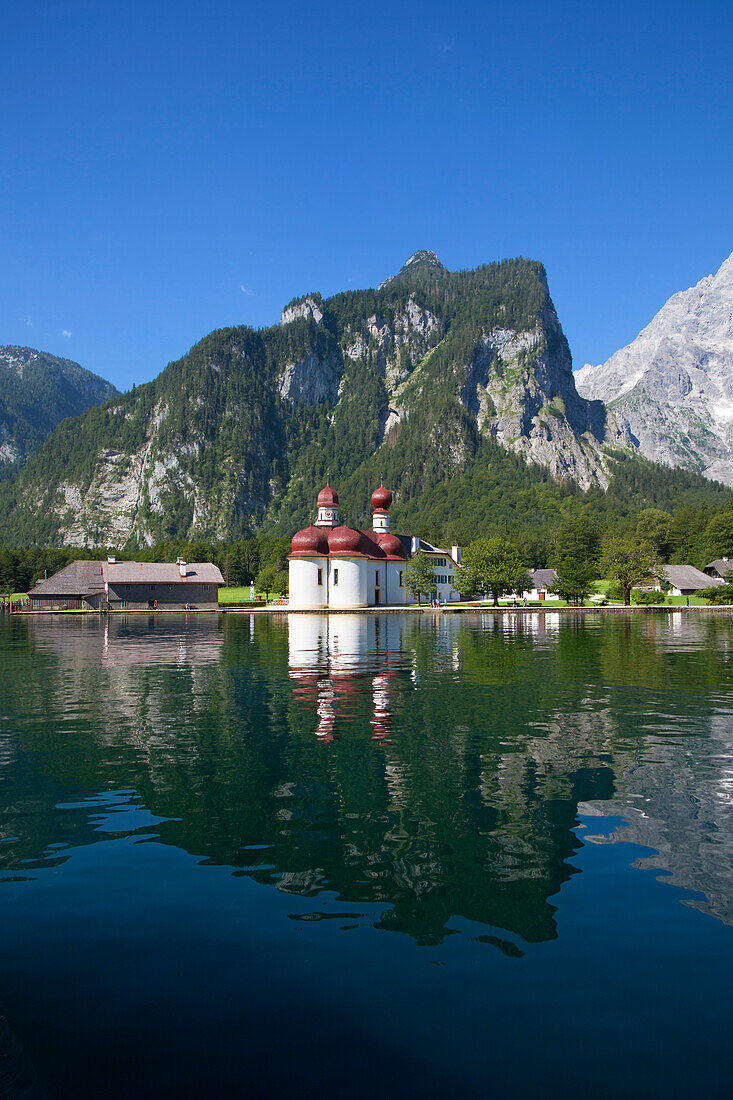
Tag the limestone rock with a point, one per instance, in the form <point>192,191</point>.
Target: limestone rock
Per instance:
<point>673,385</point>
<point>306,307</point>
<point>313,379</point>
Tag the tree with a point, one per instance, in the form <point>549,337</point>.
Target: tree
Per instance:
<point>267,579</point>
<point>420,579</point>
<point>574,580</point>
<point>630,562</point>
<point>655,527</point>
<point>719,535</point>
<point>578,539</point>
<point>493,566</point>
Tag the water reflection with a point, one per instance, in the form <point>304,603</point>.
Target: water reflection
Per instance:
<point>333,657</point>
<point>431,766</point>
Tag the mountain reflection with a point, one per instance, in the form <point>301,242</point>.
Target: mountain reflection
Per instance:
<point>432,765</point>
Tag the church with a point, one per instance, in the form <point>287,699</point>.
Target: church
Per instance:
<point>333,566</point>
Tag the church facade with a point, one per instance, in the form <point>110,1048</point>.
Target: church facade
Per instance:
<point>333,566</point>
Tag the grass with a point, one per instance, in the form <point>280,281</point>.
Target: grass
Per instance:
<point>239,595</point>
<point>681,601</point>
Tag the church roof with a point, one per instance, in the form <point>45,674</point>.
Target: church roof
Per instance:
<point>327,497</point>
<point>346,542</point>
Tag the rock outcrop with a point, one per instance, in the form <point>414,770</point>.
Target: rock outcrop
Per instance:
<point>521,390</point>
<point>673,385</point>
<point>304,307</point>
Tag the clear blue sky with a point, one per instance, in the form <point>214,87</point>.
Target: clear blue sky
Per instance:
<point>172,167</point>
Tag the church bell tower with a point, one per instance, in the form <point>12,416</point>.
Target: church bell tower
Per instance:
<point>327,507</point>
<point>381,502</point>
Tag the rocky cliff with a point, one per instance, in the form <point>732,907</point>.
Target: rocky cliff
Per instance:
<point>673,386</point>
<point>414,381</point>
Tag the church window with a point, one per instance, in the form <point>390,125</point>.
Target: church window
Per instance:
<point>335,576</point>
<point>402,578</point>
<point>320,576</point>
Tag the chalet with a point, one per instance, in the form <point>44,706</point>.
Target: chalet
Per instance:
<point>114,585</point>
<point>722,568</point>
<point>685,580</point>
<point>542,582</point>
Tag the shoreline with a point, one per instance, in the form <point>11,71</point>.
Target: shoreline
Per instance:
<point>614,609</point>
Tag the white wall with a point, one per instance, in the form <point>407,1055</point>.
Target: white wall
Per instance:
<point>395,594</point>
<point>534,594</point>
<point>303,582</point>
<point>356,583</point>
<point>351,590</point>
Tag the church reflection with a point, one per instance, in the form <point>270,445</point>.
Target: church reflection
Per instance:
<point>333,659</point>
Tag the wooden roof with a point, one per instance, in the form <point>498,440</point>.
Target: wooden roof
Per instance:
<point>80,578</point>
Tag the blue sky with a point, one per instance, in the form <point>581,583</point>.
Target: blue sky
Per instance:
<point>170,168</point>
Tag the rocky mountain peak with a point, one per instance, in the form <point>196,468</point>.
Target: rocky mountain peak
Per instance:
<point>421,259</point>
<point>309,306</point>
<point>423,255</point>
<point>674,383</point>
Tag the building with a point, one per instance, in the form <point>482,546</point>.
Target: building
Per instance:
<point>542,583</point>
<point>338,567</point>
<point>333,566</point>
<point>445,566</point>
<point>722,568</point>
<point>113,585</point>
<point>77,587</point>
<point>137,585</point>
<point>685,580</point>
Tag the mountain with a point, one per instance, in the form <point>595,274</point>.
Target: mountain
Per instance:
<point>436,381</point>
<point>673,385</point>
<point>37,391</point>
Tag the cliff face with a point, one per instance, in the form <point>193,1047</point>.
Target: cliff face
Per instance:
<point>521,390</point>
<point>673,386</point>
<point>37,391</point>
<point>407,381</point>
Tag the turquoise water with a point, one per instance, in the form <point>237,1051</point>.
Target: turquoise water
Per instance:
<point>425,855</point>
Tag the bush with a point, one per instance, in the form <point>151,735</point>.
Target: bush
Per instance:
<point>723,594</point>
<point>643,596</point>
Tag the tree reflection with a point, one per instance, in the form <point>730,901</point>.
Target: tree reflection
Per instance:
<point>432,765</point>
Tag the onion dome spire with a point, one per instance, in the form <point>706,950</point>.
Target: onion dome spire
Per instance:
<point>381,501</point>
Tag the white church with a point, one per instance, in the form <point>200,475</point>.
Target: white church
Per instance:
<point>333,566</point>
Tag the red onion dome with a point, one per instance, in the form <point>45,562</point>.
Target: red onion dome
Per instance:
<point>344,540</point>
<point>311,540</point>
<point>391,546</point>
<point>327,497</point>
<point>381,498</point>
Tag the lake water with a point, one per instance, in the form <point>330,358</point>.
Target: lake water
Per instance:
<point>437,855</point>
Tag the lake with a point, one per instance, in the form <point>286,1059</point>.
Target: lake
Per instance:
<point>399,855</point>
